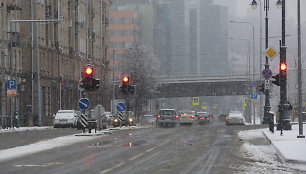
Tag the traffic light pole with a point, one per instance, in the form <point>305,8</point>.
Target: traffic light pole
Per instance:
<point>284,122</point>
<point>267,107</point>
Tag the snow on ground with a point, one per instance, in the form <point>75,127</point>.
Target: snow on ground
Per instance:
<point>20,129</point>
<point>289,147</point>
<point>50,144</point>
<point>263,159</point>
<point>42,146</point>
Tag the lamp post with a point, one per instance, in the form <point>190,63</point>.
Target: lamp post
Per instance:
<point>300,97</point>
<point>254,6</point>
<point>248,71</point>
<point>267,106</point>
<point>253,38</point>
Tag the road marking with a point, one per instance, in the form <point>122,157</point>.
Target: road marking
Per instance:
<point>110,169</point>
<point>135,157</point>
<point>38,165</point>
<point>149,150</point>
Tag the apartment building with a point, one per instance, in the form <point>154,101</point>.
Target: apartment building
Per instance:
<point>47,56</point>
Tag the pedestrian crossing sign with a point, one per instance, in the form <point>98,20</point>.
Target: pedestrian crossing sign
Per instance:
<point>195,101</point>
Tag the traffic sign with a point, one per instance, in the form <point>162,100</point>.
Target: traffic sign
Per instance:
<point>84,103</point>
<point>11,84</point>
<point>267,84</point>
<point>271,53</point>
<point>195,101</point>
<point>84,120</point>
<point>266,73</point>
<point>120,116</point>
<point>254,95</point>
<point>120,107</point>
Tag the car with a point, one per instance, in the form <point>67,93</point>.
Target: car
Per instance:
<point>187,117</point>
<point>235,118</point>
<point>167,117</point>
<point>148,119</point>
<point>66,118</point>
<point>202,118</point>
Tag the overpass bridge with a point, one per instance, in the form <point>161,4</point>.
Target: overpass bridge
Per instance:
<point>193,86</point>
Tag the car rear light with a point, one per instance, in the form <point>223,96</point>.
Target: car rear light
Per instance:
<point>201,118</point>
<point>159,116</point>
<point>177,116</point>
<point>191,116</point>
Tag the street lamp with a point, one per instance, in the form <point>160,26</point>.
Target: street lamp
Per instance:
<point>253,77</point>
<point>254,6</point>
<point>300,97</point>
<point>267,106</point>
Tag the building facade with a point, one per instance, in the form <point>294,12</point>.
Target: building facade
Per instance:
<point>50,53</point>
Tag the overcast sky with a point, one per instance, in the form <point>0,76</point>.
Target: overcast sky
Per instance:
<point>241,7</point>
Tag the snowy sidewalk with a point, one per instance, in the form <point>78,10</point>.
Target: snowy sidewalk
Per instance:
<point>288,146</point>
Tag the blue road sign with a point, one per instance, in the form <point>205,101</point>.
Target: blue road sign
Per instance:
<point>266,73</point>
<point>254,95</point>
<point>120,107</point>
<point>11,84</point>
<point>84,103</point>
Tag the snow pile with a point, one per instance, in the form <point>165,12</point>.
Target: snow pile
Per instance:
<point>22,129</point>
<point>42,146</point>
<point>289,147</point>
<point>262,159</point>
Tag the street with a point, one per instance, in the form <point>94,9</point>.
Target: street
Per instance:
<point>212,148</point>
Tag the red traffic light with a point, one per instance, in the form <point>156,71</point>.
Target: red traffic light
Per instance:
<point>89,71</point>
<point>283,67</point>
<point>125,79</point>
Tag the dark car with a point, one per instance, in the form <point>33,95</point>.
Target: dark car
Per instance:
<point>202,118</point>
<point>166,118</point>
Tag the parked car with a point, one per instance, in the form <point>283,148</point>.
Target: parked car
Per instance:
<point>148,119</point>
<point>187,117</point>
<point>235,118</point>
<point>167,117</point>
<point>202,118</point>
<point>66,118</point>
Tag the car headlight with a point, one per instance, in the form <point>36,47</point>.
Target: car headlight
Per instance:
<point>130,120</point>
<point>115,120</point>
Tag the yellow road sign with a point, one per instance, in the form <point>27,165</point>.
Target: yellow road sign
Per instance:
<point>195,101</point>
<point>271,53</point>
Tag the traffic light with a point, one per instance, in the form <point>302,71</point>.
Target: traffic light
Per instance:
<point>88,81</point>
<point>89,72</point>
<point>277,80</point>
<point>283,70</point>
<point>125,80</point>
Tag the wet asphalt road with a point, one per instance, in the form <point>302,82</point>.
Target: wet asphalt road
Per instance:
<point>212,148</point>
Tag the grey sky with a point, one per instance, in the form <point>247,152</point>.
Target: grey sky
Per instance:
<point>242,7</point>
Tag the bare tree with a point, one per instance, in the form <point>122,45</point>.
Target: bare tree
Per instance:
<point>141,64</point>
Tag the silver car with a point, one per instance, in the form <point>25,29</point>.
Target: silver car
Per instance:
<point>235,118</point>
<point>166,118</point>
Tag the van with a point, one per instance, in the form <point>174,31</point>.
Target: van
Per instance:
<point>66,118</point>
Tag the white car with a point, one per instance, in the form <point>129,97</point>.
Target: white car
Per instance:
<point>187,117</point>
<point>66,118</point>
<point>235,118</point>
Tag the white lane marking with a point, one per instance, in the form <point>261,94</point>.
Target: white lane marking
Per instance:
<point>135,157</point>
<point>149,150</point>
<point>110,169</point>
<point>38,165</point>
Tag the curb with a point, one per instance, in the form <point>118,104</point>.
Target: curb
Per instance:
<point>280,155</point>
